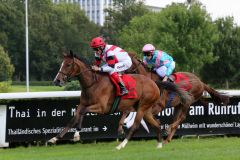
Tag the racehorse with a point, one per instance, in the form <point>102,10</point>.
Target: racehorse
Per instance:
<point>188,81</point>
<point>98,94</point>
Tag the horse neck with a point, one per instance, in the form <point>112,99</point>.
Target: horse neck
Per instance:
<point>140,68</point>
<point>85,74</point>
<point>153,76</point>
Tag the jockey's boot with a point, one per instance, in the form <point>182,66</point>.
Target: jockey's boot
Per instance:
<point>123,89</point>
<point>116,77</point>
<point>170,79</point>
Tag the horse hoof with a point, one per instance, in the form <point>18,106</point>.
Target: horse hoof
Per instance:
<point>53,140</point>
<point>122,145</point>
<point>165,142</point>
<point>76,137</point>
<point>119,147</point>
<point>160,145</point>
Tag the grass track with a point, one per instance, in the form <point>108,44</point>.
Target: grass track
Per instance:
<point>217,148</point>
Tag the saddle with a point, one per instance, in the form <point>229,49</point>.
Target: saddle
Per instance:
<point>130,84</point>
<point>182,80</point>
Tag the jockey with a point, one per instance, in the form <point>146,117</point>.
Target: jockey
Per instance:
<point>117,60</point>
<point>162,63</point>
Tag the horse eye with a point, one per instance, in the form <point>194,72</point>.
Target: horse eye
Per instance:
<point>69,65</point>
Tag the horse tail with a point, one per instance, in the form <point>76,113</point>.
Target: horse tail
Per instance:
<point>217,97</point>
<point>184,96</point>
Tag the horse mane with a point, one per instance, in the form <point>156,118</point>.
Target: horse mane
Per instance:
<point>134,55</point>
<point>72,55</point>
<point>82,59</point>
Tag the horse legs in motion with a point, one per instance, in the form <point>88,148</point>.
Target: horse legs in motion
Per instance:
<point>181,110</point>
<point>148,116</point>
<point>77,119</point>
<point>179,116</point>
<point>121,123</point>
<point>195,90</point>
<point>156,124</point>
<point>98,95</point>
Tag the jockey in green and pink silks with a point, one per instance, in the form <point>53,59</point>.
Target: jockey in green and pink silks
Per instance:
<point>162,62</point>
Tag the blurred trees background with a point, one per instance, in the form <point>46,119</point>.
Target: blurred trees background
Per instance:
<point>186,31</point>
<point>52,29</point>
<point>120,16</point>
<point>225,70</point>
<point>6,70</point>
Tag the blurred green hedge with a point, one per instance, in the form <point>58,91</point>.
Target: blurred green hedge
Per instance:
<point>34,83</point>
<point>72,86</point>
<point>4,86</point>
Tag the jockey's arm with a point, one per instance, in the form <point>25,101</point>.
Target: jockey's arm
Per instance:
<point>110,65</point>
<point>97,61</point>
<point>144,62</point>
<point>111,61</point>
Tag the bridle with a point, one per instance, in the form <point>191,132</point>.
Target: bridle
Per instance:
<point>137,66</point>
<point>78,75</point>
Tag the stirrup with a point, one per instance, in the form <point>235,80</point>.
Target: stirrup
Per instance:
<point>123,92</point>
<point>170,79</point>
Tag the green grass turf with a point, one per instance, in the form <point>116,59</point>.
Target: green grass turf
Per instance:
<point>218,148</point>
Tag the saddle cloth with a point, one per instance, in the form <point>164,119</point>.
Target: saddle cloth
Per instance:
<point>182,80</point>
<point>130,84</point>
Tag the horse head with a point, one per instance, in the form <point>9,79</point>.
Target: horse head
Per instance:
<point>73,66</point>
<point>66,70</point>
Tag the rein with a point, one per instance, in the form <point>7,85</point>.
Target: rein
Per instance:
<point>94,76</point>
<point>136,68</point>
<point>69,75</point>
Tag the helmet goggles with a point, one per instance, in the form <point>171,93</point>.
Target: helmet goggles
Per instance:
<point>148,53</point>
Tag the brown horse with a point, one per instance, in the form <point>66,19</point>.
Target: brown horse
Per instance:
<point>98,94</point>
<point>180,109</point>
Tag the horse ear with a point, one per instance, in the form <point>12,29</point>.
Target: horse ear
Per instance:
<point>71,53</point>
<point>132,54</point>
<point>65,54</point>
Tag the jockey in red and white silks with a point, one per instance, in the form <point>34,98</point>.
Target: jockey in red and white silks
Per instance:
<point>117,60</point>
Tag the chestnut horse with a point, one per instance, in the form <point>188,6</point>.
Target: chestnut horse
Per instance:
<point>98,94</point>
<point>180,109</point>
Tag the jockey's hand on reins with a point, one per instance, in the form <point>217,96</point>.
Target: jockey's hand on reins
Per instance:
<point>95,68</point>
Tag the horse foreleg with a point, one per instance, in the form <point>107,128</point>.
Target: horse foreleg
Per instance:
<point>172,132</point>
<point>93,108</point>
<point>120,124</point>
<point>179,118</point>
<point>133,129</point>
<point>76,136</point>
<point>72,123</point>
<point>176,115</point>
<point>156,124</point>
